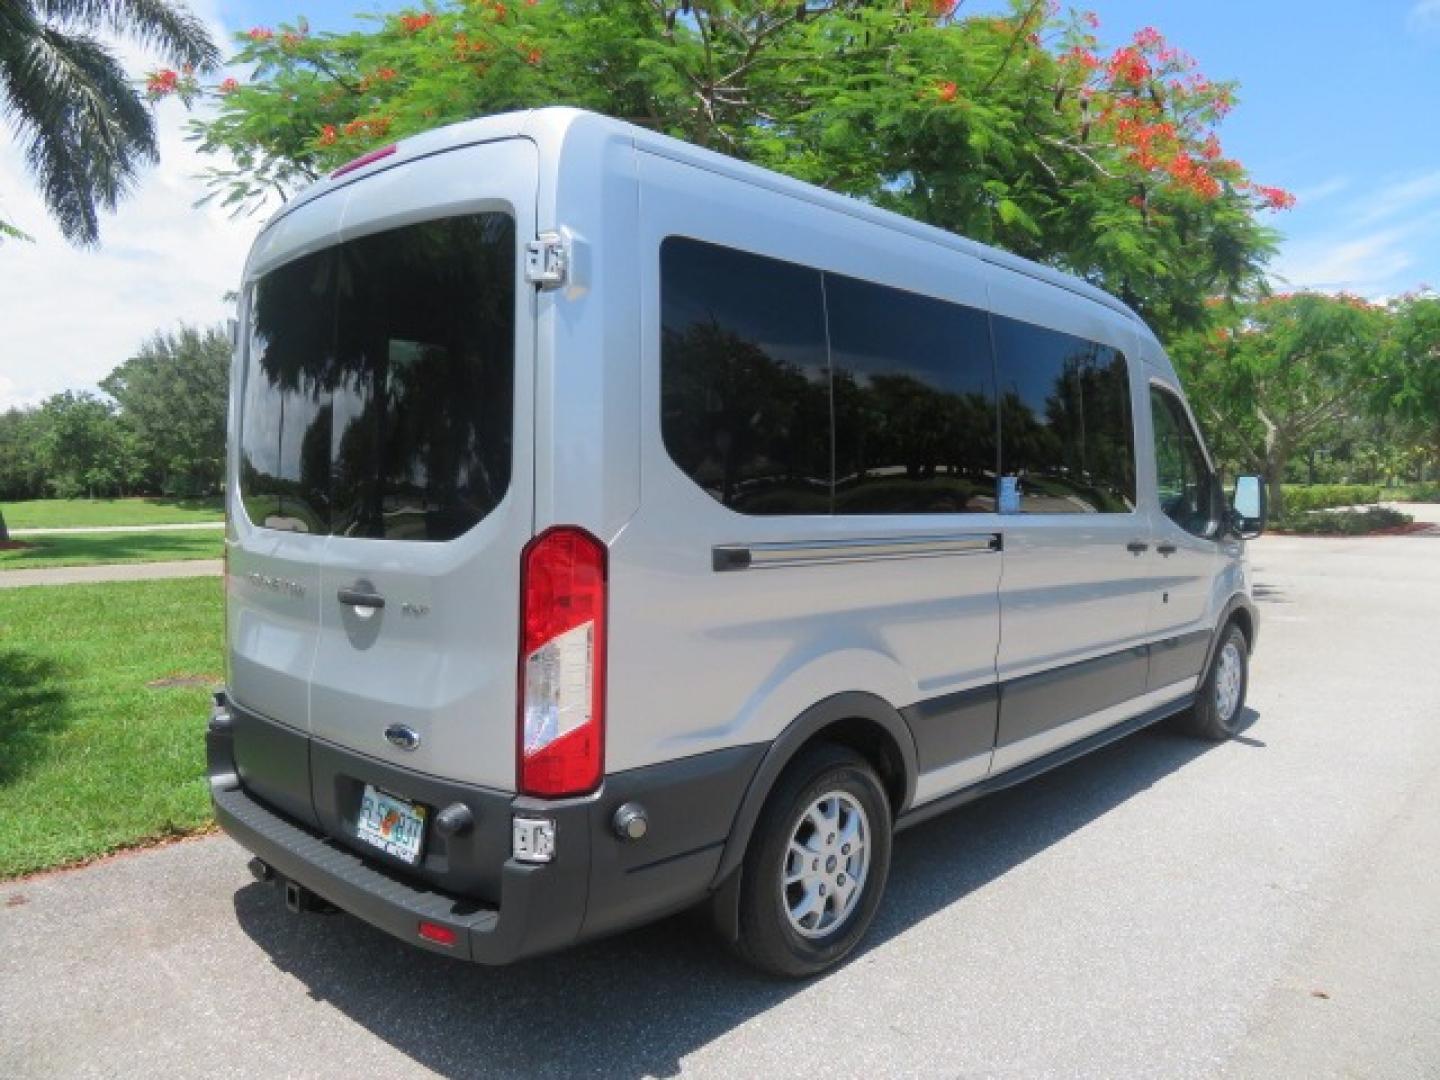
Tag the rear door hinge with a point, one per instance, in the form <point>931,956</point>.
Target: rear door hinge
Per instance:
<point>547,260</point>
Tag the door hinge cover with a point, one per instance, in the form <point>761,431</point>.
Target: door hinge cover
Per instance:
<point>546,260</point>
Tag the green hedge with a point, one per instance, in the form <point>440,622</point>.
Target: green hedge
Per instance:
<point>1342,522</point>
<point>1426,493</point>
<point>1299,499</point>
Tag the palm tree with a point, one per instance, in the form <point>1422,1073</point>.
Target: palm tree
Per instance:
<point>82,123</point>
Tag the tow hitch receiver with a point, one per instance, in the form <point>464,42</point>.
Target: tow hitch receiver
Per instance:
<point>301,900</point>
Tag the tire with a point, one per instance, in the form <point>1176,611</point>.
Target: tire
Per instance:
<point>798,920</point>
<point>1220,700</point>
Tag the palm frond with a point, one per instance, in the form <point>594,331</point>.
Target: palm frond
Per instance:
<point>84,130</point>
<point>170,28</point>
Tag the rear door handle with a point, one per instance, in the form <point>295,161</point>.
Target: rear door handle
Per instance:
<point>356,598</point>
<point>1137,547</point>
<point>1167,549</point>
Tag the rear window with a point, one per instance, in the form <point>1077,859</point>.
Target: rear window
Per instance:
<point>379,389</point>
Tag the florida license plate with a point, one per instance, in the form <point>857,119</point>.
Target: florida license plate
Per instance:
<point>396,826</point>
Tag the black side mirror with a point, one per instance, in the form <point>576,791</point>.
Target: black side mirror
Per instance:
<point>1248,507</point>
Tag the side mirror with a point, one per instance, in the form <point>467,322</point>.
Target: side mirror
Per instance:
<point>1248,507</point>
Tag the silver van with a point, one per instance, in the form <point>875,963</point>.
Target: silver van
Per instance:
<point>615,527</point>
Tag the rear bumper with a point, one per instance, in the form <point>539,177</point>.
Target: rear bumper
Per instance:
<point>597,883</point>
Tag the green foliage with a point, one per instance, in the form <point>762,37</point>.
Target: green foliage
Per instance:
<point>83,448</point>
<point>93,758</point>
<point>1420,493</point>
<point>1270,376</point>
<point>1013,130</point>
<point>21,473</point>
<point>83,128</point>
<point>172,395</point>
<point>1342,522</point>
<point>1412,384</point>
<point>1300,500</point>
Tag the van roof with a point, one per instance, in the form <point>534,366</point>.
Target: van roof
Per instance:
<point>553,127</point>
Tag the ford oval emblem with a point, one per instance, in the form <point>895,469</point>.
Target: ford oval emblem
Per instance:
<point>406,738</point>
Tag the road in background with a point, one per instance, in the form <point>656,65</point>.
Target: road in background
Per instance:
<point>1266,907</point>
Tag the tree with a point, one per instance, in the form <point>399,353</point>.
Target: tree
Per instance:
<point>1014,130</point>
<point>83,126</point>
<point>172,394</point>
<point>1413,389</point>
<point>82,447</point>
<point>1276,373</point>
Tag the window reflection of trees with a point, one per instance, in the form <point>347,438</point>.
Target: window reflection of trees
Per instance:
<point>397,351</point>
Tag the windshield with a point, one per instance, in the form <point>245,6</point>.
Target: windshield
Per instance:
<point>379,384</point>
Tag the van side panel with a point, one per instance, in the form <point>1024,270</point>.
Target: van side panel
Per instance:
<point>710,658</point>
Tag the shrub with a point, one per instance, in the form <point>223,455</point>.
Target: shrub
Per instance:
<point>1426,493</point>
<point>1341,522</point>
<point>1325,496</point>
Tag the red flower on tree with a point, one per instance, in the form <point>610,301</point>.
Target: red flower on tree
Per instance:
<point>1275,198</point>
<point>261,33</point>
<point>162,82</point>
<point>229,86</point>
<point>946,91</point>
<point>415,23</point>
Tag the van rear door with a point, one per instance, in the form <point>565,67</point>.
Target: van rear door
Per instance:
<point>432,478</point>
<point>384,475</point>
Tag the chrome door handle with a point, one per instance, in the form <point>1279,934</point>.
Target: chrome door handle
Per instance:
<point>1167,549</point>
<point>1137,547</point>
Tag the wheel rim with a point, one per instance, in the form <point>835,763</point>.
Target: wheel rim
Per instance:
<point>826,865</point>
<point>1229,674</point>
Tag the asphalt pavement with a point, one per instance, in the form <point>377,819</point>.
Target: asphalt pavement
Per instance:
<point>1267,907</point>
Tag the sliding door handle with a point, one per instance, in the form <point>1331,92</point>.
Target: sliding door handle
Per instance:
<point>1167,549</point>
<point>1137,547</point>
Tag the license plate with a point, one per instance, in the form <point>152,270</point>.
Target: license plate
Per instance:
<point>396,826</point>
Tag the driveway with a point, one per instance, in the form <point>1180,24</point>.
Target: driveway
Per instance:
<point>1266,907</point>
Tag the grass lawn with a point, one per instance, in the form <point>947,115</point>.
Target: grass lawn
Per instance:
<point>66,513</point>
<point>94,548</point>
<point>91,758</point>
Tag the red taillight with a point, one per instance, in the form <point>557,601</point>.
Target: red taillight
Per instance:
<point>441,935</point>
<point>561,719</point>
<point>363,160</point>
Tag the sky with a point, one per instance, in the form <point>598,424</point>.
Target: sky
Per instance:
<point>1339,103</point>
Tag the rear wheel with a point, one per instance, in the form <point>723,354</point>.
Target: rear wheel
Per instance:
<point>1221,697</point>
<point>816,866</point>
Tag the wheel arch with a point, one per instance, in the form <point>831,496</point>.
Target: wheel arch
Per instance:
<point>867,724</point>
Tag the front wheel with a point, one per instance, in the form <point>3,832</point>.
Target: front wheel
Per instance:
<point>816,866</point>
<point>1221,697</point>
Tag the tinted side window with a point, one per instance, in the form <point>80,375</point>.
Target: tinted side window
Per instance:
<point>285,413</point>
<point>744,377</point>
<point>914,402</point>
<point>1065,421</point>
<point>1187,488</point>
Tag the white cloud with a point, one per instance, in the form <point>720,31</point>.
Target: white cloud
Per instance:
<point>1372,245</point>
<point>1364,264</point>
<point>68,315</point>
<point>1424,17</point>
